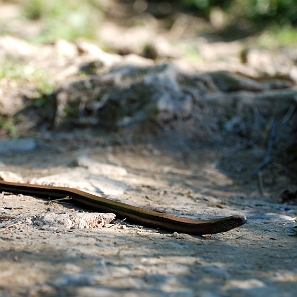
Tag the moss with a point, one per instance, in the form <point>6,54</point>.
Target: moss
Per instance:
<point>7,125</point>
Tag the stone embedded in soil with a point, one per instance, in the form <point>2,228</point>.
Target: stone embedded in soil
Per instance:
<point>73,220</point>
<point>20,145</point>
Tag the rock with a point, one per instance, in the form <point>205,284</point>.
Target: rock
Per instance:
<point>229,82</point>
<point>223,51</point>
<point>20,145</point>
<point>65,48</point>
<point>74,220</point>
<point>90,49</point>
<point>268,62</point>
<point>11,101</point>
<point>17,48</point>
<point>186,107</point>
<point>164,111</point>
<point>272,84</point>
<point>82,160</point>
<point>125,94</point>
<point>10,177</point>
<point>86,181</point>
<point>131,92</point>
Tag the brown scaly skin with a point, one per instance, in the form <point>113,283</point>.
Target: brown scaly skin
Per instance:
<point>132,213</point>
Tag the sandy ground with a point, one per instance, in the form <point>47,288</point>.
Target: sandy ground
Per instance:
<point>121,259</point>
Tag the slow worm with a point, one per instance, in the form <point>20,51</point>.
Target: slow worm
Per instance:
<point>131,213</point>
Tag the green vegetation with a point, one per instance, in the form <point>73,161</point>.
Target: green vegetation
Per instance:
<point>14,70</point>
<point>72,109</point>
<point>191,53</point>
<point>277,36</point>
<point>7,125</point>
<point>271,22</point>
<point>72,19</point>
<point>260,12</point>
<point>67,19</point>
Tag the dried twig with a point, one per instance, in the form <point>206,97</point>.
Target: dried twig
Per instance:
<point>269,148</point>
<point>58,200</point>
<point>13,224</point>
<point>260,183</point>
<point>289,114</point>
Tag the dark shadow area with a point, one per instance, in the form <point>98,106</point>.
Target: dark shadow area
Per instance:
<point>223,20</point>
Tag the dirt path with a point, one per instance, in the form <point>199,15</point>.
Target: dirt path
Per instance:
<point>257,259</point>
<point>216,100</point>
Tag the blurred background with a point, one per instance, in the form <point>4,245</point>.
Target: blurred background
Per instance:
<point>265,22</point>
